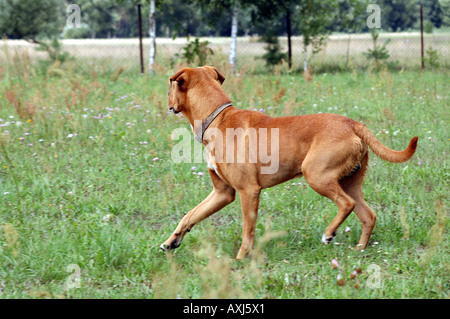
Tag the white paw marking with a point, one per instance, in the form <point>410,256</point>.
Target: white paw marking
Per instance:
<point>326,240</point>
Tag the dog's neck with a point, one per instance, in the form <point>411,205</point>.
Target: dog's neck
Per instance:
<point>200,131</point>
<point>201,106</point>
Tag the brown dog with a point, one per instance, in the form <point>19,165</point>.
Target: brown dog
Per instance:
<point>329,150</point>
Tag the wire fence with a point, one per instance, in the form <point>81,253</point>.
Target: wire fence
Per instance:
<point>404,49</point>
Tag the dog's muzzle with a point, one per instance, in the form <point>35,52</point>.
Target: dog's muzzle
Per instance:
<point>173,110</point>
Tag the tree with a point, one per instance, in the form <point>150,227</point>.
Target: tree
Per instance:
<point>433,11</point>
<point>399,15</point>
<point>234,30</point>
<point>379,53</point>
<point>445,5</point>
<point>152,32</point>
<point>311,20</point>
<point>180,18</point>
<point>107,19</point>
<point>220,6</point>
<point>308,18</point>
<point>265,12</point>
<point>31,20</point>
<point>349,16</point>
<point>273,55</point>
<point>39,22</point>
<point>98,15</point>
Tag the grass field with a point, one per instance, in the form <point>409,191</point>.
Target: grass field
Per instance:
<point>88,191</point>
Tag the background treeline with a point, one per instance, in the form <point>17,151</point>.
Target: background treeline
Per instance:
<point>176,18</point>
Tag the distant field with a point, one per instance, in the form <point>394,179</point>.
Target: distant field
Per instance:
<point>404,47</point>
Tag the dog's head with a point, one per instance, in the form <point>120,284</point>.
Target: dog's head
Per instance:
<point>188,84</point>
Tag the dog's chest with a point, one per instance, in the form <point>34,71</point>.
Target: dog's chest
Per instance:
<point>213,167</point>
<point>211,163</point>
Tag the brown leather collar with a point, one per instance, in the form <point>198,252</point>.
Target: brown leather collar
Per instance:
<point>209,120</point>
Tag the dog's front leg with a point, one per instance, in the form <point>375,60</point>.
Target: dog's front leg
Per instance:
<point>249,203</point>
<point>220,197</point>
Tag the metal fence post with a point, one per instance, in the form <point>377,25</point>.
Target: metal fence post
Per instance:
<point>141,53</point>
<point>289,35</point>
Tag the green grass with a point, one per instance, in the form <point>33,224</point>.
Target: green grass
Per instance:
<point>87,179</point>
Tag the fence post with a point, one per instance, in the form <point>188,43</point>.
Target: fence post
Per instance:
<point>141,54</point>
<point>289,34</point>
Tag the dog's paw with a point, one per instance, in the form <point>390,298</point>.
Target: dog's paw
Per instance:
<point>173,244</point>
<point>327,239</point>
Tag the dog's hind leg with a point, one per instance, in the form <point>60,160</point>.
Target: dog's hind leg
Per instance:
<point>325,182</point>
<point>221,196</point>
<point>352,185</point>
<point>343,201</point>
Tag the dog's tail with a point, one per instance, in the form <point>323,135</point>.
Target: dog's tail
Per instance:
<point>382,151</point>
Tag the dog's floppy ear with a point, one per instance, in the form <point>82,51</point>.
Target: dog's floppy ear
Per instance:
<point>179,77</point>
<point>215,73</point>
